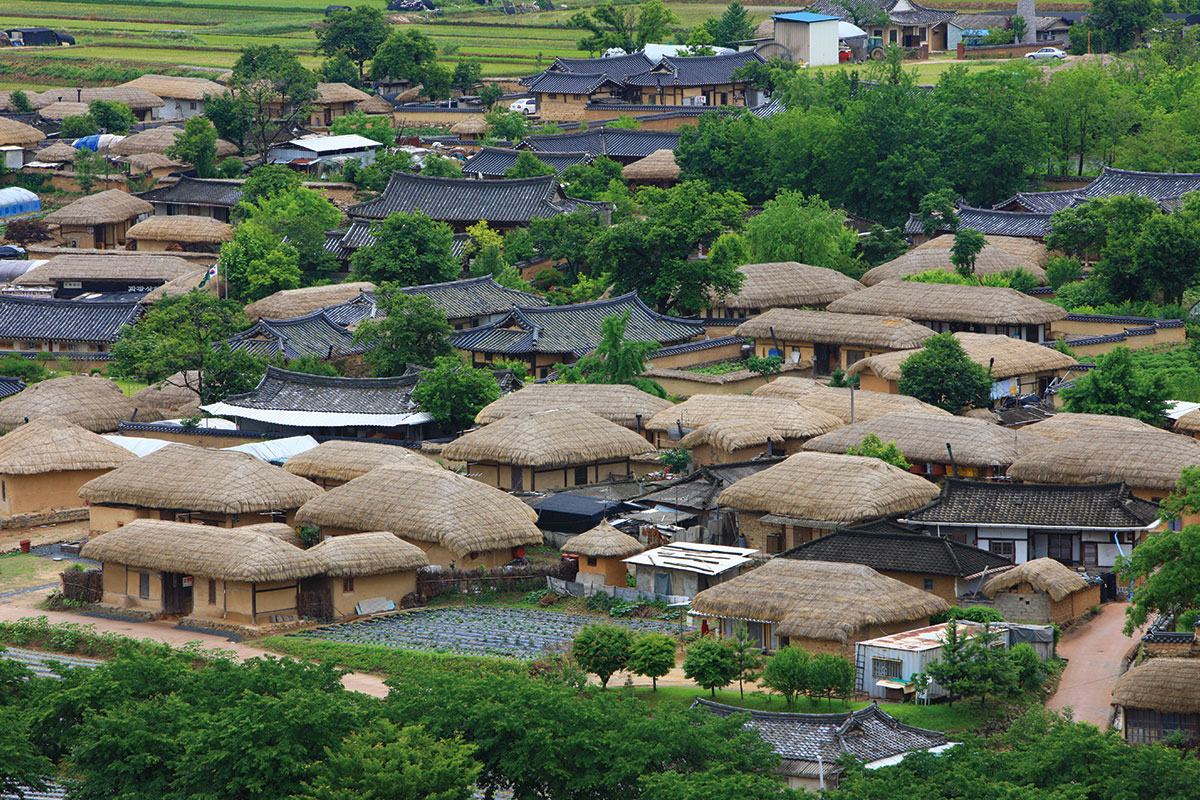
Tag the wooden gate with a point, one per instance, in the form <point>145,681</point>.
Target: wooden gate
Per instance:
<point>315,599</point>
<point>177,593</point>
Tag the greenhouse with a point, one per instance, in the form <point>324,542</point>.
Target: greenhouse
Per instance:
<point>18,202</point>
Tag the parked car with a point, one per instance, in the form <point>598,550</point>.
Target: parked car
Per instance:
<point>524,106</point>
<point>1047,52</point>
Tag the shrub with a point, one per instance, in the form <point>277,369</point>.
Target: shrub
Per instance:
<point>1062,270</point>
<point>602,649</point>
<point>972,614</point>
<point>23,368</point>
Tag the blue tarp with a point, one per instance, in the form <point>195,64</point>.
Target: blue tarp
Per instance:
<point>87,143</point>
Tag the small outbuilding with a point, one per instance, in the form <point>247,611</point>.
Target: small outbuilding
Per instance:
<point>365,572</point>
<point>1042,590</point>
<point>886,665</point>
<point>681,569</point>
<point>174,397</point>
<point>100,221</point>
<point>185,233</point>
<point>337,461</point>
<point>731,441</point>
<point>658,169</point>
<point>782,284</point>
<point>1158,699</point>
<point>18,202</point>
<point>601,552</point>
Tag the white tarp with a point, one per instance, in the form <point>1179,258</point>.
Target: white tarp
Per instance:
<point>316,419</point>
<point>277,451</point>
<point>136,444</point>
<point>848,30</point>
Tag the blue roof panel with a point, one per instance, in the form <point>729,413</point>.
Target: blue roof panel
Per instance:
<point>803,16</point>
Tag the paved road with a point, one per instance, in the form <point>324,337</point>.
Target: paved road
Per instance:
<point>1095,652</point>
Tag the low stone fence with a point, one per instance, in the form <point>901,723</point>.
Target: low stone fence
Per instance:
<point>44,518</point>
<point>431,583</point>
<point>1001,50</point>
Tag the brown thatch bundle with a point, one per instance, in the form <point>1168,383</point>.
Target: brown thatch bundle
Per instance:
<point>157,140</point>
<point>182,285</point>
<point>173,394</point>
<point>344,461</point>
<point>51,444</point>
<point>836,399</point>
<point>817,599</point>
<point>1066,424</point>
<point>991,259</point>
<point>128,265</point>
<point>461,514</point>
<point>328,93</point>
<point>948,302</point>
<point>1189,423</point>
<point>604,541</point>
<point>1027,251</point>
<point>830,488</point>
<point>787,284</point>
<point>280,530</point>
<point>372,553</point>
<point>111,205</point>
<point>231,554</point>
<point>733,434</point>
<point>63,109</point>
<point>1144,460</point>
<point>1006,356</point>
<point>289,303</point>
<point>145,162</point>
<point>658,166</point>
<point>790,418</point>
<point>1043,574</point>
<point>851,330</point>
<point>93,403</point>
<point>471,126</point>
<point>18,133</point>
<point>182,228</point>
<point>616,402</point>
<point>375,105</point>
<point>1161,684</point>
<point>178,88</point>
<point>195,479</point>
<point>57,153</point>
<point>788,386</point>
<point>922,438</point>
<point>551,438</point>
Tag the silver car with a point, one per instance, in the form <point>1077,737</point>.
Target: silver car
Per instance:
<point>1047,52</point>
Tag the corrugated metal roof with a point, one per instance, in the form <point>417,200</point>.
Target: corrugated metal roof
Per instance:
<point>703,559</point>
<point>41,319</point>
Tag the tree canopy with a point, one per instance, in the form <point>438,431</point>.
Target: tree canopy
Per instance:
<point>453,392</point>
<point>941,374</point>
<point>356,33</point>
<point>1118,387</point>
<point>409,249</point>
<point>412,331</point>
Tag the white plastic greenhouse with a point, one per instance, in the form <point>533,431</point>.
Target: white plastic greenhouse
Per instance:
<point>18,202</point>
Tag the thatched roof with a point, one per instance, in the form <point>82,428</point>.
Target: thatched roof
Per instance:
<point>280,530</point>
<point>461,514</point>
<point>375,105</point>
<point>616,402</point>
<point>289,303</point>
<point>1188,423</point>
<point>344,461</point>
<point>733,434</point>
<point>1144,460</point>
<point>830,488</point>
<point>1043,574</point>
<point>18,133</point>
<point>182,228</point>
<point>136,98</point>
<point>836,400</point>
<point>991,259</point>
<point>1161,684</point>
<point>172,394</point>
<point>853,330</point>
<point>52,444</point>
<point>1066,424</point>
<point>62,109</point>
<point>788,284</point>
<point>107,265</point>
<point>373,553</point>
<point>787,416</point>
<point>922,438</point>
<point>604,541</point>
<point>182,285</point>
<point>231,554</point>
<point>157,140</point>
<point>179,88</point>
<point>948,302</point>
<point>472,126</point>
<point>111,205</point>
<point>97,404</point>
<point>145,162</point>
<point>817,599</point>
<point>658,166</point>
<point>339,93</point>
<point>1008,357</point>
<point>550,438</point>
<point>58,152</point>
<point>195,479</point>
<point>1027,251</point>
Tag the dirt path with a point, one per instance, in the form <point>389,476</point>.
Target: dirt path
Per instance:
<point>1095,652</point>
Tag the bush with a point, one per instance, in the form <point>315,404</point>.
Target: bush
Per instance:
<point>23,368</point>
<point>1186,622</point>
<point>1062,270</point>
<point>972,614</point>
<point>602,649</point>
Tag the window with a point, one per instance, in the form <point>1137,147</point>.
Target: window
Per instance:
<point>1002,547</point>
<point>144,585</point>
<point>927,584</point>
<point>4,491</point>
<point>552,96</point>
<point>347,585</point>
<point>1058,547</point>
<point>581,476</point>
<point>212,592</point>
<point>1175,524</point>
<point>192,105</point>
<point>591,561</point>
<point>886,668</point>
<point>1090,552</point>
<point>855,355</point>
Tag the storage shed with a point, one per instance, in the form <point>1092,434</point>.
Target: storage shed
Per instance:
<point>887,664</point>
<point>1042,590</point>
<point>601,553</point>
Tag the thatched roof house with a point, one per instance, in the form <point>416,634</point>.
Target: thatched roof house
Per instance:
<point>169,86</point>
<point>547,449</point>
<point>174,396</point>
<point>223,487</point>
<point>18,133</point>
<point>819,605</point>
<point>93,403</point>
<point>1149,461</point>
<point>795,422</point>
<point>57,153</point>
<point>334,462</point>
<point>657,169</point>
<point>991,259</point>
<point>136,98</point>
<point>981,449</point>
<point>371,553</point>
<point>1065,424</point>
<point>179,231</point>
<point>809,493</point>
<point>785,284</point>
<point>600,552</point>
<point>790,386</point>
<point>156,164</point>
<point>731,436</point>
<point>863,331</point>
<point>60,110</point>
<point>950,303</point>
<point>107,271</point>
<point>1027,251</point>
<point>471,126</point>
<point>836,400</point>
<point>103,208</point>
<point>157,140</point>
<point>291,303</point>
<point>1041,590</point>
<point>616,402</point>
<point>452,518</point>
<point>1161,690</point>
<point>375,104</point>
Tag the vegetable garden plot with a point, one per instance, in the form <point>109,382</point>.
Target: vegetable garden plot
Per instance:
<point>497,632</point>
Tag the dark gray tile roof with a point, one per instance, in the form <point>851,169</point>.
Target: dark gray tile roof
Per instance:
<point>699,490</point>
<point>475,297</point>
<point>314,334</point>
<point>466,200</point>
<point>282,390</point>
<point>54,791</point>
<point>898,552</point>
<point>1165,188</point>
<point>768,109</point>
<point>10,386</point>
<point>918,15</point>
<point>574,329</point>
<point>696,347</point>
<point>1151,322</point>
<point>695,70</point>
<point>1045,202</point>
<point>868,734</point>
<point>614,142</point>
<point>194,191</point>
<point>617,67</point>
<point>999,223</point>
<point>496,161</point>
<point>352,311</point>
<point>1107,506</point>
<point>570,82</point>
<point>41,319</point>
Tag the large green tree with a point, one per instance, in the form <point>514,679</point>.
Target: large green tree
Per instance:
<point>793,227</point>
<point>615,359</point>
<point>404,55</point>
<point>1166,567</point>
<point>111,116</point>
<point>941,374</point>
<point>528,165</point>
<point>602,649</point>
<point>230,114</point>
<point>1167,252</point>
<point>255,263</point>
<point>276,90</point>
<point>608,25</point>
<point>710,663</point>
<point>297,218</point>
<point>412,330</point>
<point>357,33</point>
<point>453,392</point>
<point>409,249</point>
<point>197,145</point>
<point>654,23</point>
<point>1118,387</point>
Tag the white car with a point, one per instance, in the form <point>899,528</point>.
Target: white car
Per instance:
<point>1047,52</point>
<point>523,106</point>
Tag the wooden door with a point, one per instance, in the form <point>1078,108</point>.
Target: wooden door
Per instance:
<point>177,593</point>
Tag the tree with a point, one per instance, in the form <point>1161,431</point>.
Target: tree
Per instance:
<point>967,244</point>
<point>511,126</point>
<point>441,166</point>
<point>591,181</point>
<point>830,676</point>
<point>299,216</point>
<point>864,13</point>
<point>710,663</point>
<point>405,55</point>
<point>872,446</point>
<point>20,102</point>
<point>340,69</point>
<point>614,360</point>
<point>608,26</point>
<point>22,767</point>
<point>528,165</point>
<point>229,372</point>
<point>602,649</point>
<point>1123,218</point>
<point>197,145</point>
<point>731,27</point>
<point>77,127</point>
<point>375,126</point>
<point>26,231</point>
<point>264,182</point>
<point>1165,568</point>
<point>654,23</point>
<point>786,672</point>
<point>1061,270</point>
<point>88,164</point>
<point>437,81</point>
<point>941,374</point>
<point>375,176</point>
<point>1167,252</point>
<point>881,245</point>
<point>453,392</point>
<point>715,783</point>
<point>277,92</point>
<point>699,43</point>
<point>412,331</point>
<point>356,33</point>
<point>466,75</point>
<point>1123,22</point>
<point>1086,111</point>
<point>727,152</point>
<point>936,211</point>
<point>1118,387</point>
<point>409,249</point>
<point>230,115</point>
<point>489,94</point>
<point>747,655</point>
<point>651,655</point>
<point>793,227</point>
<point>177,333</point>
<point>111,116</point>
<point>564,237</point>
<point>255,263</point>
<point>972,666</point>
<point>763,366</point>
<point>730,249</point>
<point>1019,28</point>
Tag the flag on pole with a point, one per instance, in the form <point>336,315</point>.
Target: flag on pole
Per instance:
<point>212,273</point>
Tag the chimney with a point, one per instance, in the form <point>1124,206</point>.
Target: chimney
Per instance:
<point>1028,10</point>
